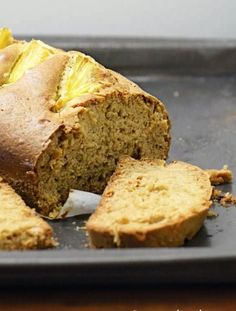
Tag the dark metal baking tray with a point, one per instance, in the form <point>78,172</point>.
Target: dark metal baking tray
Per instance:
<point>197,81</point>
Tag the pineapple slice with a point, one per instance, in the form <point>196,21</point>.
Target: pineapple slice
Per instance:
<point>35,53</point>
<point>81,77</point>
<point>5,37</point>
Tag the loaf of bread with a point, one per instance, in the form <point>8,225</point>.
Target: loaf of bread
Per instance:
<point>65,121</point>
<point>149,203</point>
<point>20,227</point>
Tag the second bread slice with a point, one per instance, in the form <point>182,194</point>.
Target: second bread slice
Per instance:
<point>149,203</point>
<point>20,227</point>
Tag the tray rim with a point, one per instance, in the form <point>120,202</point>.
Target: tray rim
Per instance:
<point>81,267</point>
<point>129,255</point>
<point>115,42</point>
<point>154,54</point>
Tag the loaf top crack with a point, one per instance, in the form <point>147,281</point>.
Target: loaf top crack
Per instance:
<point>65,120</point>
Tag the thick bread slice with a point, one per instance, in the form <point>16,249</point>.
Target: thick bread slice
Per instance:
<point>20,227</point>
<point>65,121</point>
<point>149,203</point>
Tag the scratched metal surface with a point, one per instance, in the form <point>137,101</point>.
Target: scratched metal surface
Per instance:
<point>197,82</point>
<point>203,114</point>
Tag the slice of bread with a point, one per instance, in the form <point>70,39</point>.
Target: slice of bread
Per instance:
<point>20,227</point>
<point>149,203</point>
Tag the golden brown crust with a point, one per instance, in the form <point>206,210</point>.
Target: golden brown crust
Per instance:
<point>26,120</point>
<point>29,123</point>
<point>171,234</point>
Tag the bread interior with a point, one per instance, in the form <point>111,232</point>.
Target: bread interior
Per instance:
<point>85,157</point>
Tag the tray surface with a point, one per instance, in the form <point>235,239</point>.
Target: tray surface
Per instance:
<point>202,106</point>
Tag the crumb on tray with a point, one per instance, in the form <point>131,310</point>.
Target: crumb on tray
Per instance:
<point>78,228</point>
<point>219,177</point>
<point>212,214</point>
<point>224,198</point>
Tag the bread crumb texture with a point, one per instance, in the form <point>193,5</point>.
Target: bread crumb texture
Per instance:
<point>74,118</point>
<point>150,203</point>
<point>20,227</point>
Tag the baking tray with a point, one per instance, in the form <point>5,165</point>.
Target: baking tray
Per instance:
<point>197,81</point>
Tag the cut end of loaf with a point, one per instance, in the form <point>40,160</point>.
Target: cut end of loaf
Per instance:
<point>86,157</point>
<point>149,203</point>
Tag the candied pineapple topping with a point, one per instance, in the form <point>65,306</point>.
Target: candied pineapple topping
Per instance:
<point>82,75</point>
<point>34,53</point>
<point>5,37</point>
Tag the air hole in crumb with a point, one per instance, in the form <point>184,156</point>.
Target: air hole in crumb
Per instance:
<point>137,153</point>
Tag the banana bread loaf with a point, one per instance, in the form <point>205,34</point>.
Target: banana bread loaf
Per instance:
<point>65,121</point>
